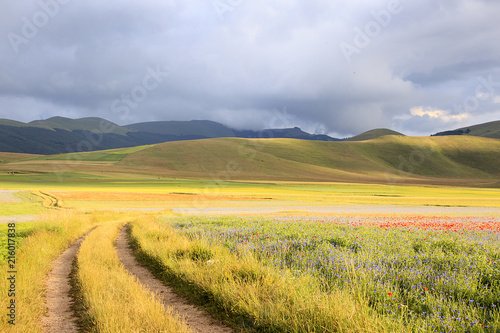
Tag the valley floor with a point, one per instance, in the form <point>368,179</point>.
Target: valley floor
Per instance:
<point>215,252</point>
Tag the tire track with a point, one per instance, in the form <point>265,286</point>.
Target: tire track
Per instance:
<point>198,320</point>
<point>60,317</point>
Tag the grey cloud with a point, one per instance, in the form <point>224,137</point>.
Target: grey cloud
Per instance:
<point>454,72</point>
<point>259,58</point>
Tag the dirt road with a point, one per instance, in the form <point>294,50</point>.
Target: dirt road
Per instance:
<point>60,317</point>
<point>198,320</point>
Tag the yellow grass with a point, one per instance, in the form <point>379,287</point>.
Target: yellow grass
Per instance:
<point>58,229</point>
<point>248,293</point>
<point>115,301</point>
<point>286,195</point>
<point>49,200</point>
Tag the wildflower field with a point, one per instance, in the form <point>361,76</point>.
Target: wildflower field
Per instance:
<point>261,257</point>
<point>428,273</point>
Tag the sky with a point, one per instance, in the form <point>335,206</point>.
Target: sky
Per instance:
<point>326,66</point>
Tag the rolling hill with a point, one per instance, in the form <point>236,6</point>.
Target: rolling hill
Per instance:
<point>487,130</point>
<point>373,134</point>
<point>12,157</point>
<point>388,159</point>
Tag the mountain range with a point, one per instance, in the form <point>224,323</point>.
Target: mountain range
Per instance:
<point>64,135</point>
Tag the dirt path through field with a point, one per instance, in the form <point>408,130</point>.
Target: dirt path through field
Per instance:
<point>60,317</point>
<point>198,320</point>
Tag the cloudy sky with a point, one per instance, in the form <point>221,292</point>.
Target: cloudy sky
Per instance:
<point>327,66</point>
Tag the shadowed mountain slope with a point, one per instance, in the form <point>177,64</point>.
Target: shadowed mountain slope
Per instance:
<point>63,135</point>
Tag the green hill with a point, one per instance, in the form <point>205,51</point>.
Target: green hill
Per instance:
<point>428,160</point>
<point>13,157</point>
<point>91,124</point>
<point>13,123</point>
<point>487,130</point>
<point>373,134</point>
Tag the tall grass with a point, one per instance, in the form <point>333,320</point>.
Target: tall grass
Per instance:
<point>252,296</point>
<point>437,274</point>
<point>114,301</point>
<point>35,254</point>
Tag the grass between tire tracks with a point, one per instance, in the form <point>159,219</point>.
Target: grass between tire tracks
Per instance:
<point>111,300</point>
<point>241,290</point>
<point>34,256</point>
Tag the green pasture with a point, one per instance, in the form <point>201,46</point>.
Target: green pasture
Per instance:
<point>113,155</point>
<point>30,204</point>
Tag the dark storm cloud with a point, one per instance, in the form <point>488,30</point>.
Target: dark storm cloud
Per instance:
<point>328,66</point>
<point>455,72</point>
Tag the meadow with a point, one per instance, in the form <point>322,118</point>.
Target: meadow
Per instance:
<point>426,273</point>
<point>304,257</point>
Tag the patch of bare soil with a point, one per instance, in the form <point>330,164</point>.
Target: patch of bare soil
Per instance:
<point>8,196</point>
<point>17,218</point>
<point>60,317</point>
<point>346,209</point>
<point>198,320</point>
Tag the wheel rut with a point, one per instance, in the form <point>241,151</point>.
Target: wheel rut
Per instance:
<point>60,317</point>
<point>198,320</point>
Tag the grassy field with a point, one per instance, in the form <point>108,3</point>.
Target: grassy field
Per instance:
<point>102,305</point>
<point>462,160</point>
<point>26,203</point>
<point>172,193</point>
<point>426,274</point>
<point>35,252</point>
<point>344,272</point>
<point>252,296</point>
<point>113,301</point>
<point>278,273</point>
